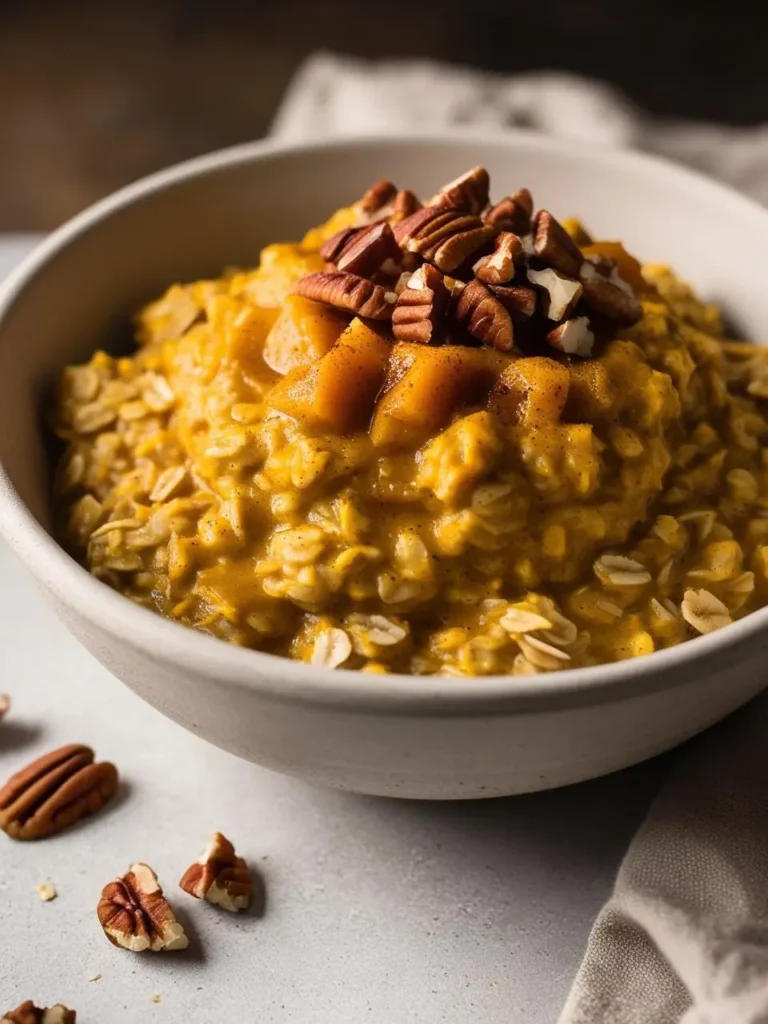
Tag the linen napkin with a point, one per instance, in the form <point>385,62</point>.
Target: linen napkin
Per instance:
<point>684,938</point>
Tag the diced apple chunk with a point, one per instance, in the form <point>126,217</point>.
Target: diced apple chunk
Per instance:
<point>531,392</point>
<point>337,392</point>
<point>303,332</point>
<point>426,385</point>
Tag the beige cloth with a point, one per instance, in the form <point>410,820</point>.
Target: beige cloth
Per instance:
<point>684,939</point>
<point>685,935</point>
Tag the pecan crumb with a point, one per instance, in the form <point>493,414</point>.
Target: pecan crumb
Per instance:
<point>607,293</point>
<point>46,892</point>
<point>220,876</point>
<point>366,250</point>
<point>444,237</point>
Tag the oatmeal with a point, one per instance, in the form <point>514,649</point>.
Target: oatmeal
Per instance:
<point>454,438</point>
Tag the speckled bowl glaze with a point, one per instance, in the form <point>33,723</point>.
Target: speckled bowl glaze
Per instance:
<point>394,735</point>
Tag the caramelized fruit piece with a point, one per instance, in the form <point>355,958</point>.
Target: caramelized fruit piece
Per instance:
<point>531,392</point>
<point>425,386</point>
<point>337,392</point>
<point>304,331</point>
<point>591,395</point>
<point>628,267</point>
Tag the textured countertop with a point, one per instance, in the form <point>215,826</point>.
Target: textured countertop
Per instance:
<point>378,911</point>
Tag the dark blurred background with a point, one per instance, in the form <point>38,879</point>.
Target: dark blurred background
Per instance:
<point>95,93</point>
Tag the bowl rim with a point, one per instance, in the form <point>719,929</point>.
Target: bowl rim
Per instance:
<point>283,679</point>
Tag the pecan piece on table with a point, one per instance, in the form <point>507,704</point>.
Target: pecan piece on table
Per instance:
<point>220,876</point>
<point>54,792</point>
<point>554,246</point>
<point>348,291</point>
<point>573,337</point>
<point>5,704</point>
<point>362,251</point>
<point>606,292</point>
<point>446,238</point>
<point>135,915</point>
<point>421,306</point>
<point>560,293</point>
<point>468,192</point>
<point>485,317</point>
<point>28,1013</point>
<point>519,300</point>
<point>501,265</point>
<point>513,213</point>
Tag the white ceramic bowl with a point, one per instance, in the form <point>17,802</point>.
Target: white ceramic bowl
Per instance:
<point>394,735</point>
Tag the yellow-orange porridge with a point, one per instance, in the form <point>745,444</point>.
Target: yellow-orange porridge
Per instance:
<point>441,436</point>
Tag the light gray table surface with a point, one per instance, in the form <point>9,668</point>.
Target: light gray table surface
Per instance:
<point>378,911</point>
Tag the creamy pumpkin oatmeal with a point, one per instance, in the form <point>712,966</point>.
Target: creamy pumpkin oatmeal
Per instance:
<point>444,437</point>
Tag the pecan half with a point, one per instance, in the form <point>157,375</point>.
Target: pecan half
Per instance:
<point>348,291</point>
<point>468,192</point>
<point>421,307</point>
<point>573,337</point>
<point>377,197</point>
<point>519,300</point>
<point>484,317</point>
<point>362,251</point>
<point>28,1013</point>
<point>513,213</point>
<point>404,204</point>
<point>500,266</point>
<point>554,246</point>
<point>446,238</point>
<point>54,792</point>
<point>5,704</point>
<point>220,876</point>
<point>606,292</point>
<point>335,244</point>
<point>560,293</point>
<point>135,914</point>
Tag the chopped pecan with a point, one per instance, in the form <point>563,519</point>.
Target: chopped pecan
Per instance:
<point>513,213</point>
<point>421,307</point>
<point>554,246</point>
<point>468,192</point>
<point>500,266</point>
<point>484,317</point>
<point>220,876</point>
<point>404,204</point>
<point>445,238</point>
<point>561,293</point>
<point>348,291</point>
<point>519,300</point>
<point>335,244</point>
<point>362,251</point>
<point>377,197</point>
<point>606,292</point>
<point>5,704</point>
<point>54,792</point>
<point>135,914</point>
<point>573,337</point>
<point>28,1013</point>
